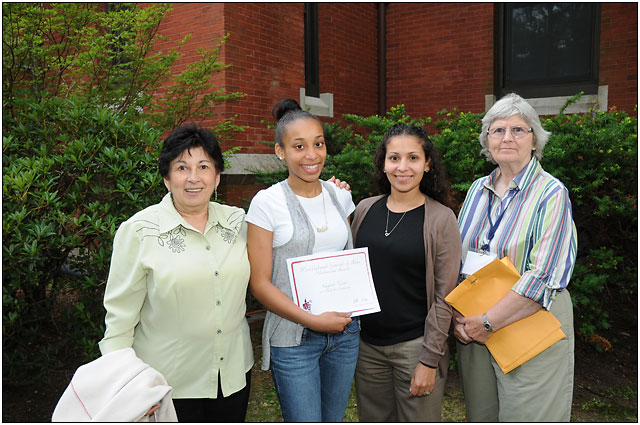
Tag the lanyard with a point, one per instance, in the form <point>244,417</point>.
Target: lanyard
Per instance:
<point>493,226</point>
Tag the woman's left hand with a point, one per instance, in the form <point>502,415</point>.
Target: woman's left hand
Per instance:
<point>474,328</point>
<point>422,381</point>
<point>340,183</point>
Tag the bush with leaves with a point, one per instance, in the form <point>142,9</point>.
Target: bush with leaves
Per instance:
<point>596,156</point>
<point>79,157</point>
<point>71,175</point>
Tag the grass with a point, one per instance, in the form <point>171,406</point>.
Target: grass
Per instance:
<point>264,405</point>
<point>599,409</point>
<point>613,405</point>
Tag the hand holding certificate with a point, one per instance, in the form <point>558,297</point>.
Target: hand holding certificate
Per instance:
<point>337,281</point>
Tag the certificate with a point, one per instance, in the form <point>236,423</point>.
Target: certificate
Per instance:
<point>335,281</point>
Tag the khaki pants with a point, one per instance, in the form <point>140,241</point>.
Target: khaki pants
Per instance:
<point>540,390</point>
<point>383,378</point>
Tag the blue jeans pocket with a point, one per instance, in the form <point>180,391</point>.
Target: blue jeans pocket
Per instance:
<point>353,327</point>
<point>305,333</point>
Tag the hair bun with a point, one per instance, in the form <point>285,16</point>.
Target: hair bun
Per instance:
<point>283,107</point>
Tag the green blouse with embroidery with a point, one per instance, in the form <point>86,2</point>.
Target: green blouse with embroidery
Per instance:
<point>177,296</point>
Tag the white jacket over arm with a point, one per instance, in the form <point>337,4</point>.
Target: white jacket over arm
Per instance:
<point>117,387</point>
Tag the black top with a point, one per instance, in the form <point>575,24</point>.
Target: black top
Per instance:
<point>398,268</point>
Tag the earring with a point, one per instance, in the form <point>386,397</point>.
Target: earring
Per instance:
<point>215,193</point>
<point>384,171</point>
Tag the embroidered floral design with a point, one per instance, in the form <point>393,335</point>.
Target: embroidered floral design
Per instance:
<point>176,241</point>
<point>230,232</point>
<point>228,236</point>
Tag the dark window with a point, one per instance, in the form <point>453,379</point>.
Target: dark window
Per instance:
<point>311,55</point>
<point>548,49</point>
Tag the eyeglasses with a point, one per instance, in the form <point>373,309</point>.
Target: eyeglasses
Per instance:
<point>516,132</point>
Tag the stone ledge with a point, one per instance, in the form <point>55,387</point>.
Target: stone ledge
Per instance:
<point>552,105</point>
<point>243,167</point>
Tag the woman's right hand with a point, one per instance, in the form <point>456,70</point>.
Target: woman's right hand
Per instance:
<point>329,322</point>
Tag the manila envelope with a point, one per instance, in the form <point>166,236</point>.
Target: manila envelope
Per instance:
<point>518,342</point>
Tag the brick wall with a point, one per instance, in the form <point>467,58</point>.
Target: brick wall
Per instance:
<point>205,23</point>
<point>619,54</point>
<point>266,49</point>
<point>348,45</point>
<point>439,55</point>
<point>237,194</point>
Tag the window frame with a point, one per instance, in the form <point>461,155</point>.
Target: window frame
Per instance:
<point>568,87</point>
<point>311,50</point>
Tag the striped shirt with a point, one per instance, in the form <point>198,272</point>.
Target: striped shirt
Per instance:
<point>536,232</point>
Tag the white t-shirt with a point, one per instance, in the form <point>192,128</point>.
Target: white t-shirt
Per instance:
<point>269,210</point>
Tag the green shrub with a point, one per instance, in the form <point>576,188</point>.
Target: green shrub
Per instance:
<point>74,169</point>
<point>458,145</point>
<point>71,175</point>
<point>596,156</point>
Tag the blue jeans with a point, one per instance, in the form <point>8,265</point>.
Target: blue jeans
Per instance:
<point>321,361</point>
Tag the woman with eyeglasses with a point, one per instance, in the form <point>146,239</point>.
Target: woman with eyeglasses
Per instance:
<point>522,212</point>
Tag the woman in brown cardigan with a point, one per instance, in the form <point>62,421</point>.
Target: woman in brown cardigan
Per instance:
<point>415,250</point>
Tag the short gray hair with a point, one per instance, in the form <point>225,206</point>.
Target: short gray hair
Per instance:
<point>509,105</point>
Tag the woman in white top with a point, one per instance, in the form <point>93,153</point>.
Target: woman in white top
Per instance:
<point>312,357</point>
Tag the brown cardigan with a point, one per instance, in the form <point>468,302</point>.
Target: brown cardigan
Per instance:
<point>443,252</point>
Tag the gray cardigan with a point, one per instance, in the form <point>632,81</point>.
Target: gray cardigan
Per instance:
<point>277,330</point>
<point>443,252</point>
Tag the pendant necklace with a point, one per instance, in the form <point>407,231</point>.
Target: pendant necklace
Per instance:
<point>324,228</point>
<point>386,227</point>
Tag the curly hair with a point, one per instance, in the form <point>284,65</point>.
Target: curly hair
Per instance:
<point>183,139</point>
<point>434,182</point>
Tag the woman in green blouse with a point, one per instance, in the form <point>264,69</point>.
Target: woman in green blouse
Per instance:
<point>177,285</point>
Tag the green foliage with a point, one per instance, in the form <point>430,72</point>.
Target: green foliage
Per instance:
<point>71,175</point>
<point>590,275</point>
<point>459,148</point>
<point>351,160</point>
<point>596,156</point>
<point>193,95</point>
<point>79,157</point>
<point>105,55</point>
<point>457,143</point>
